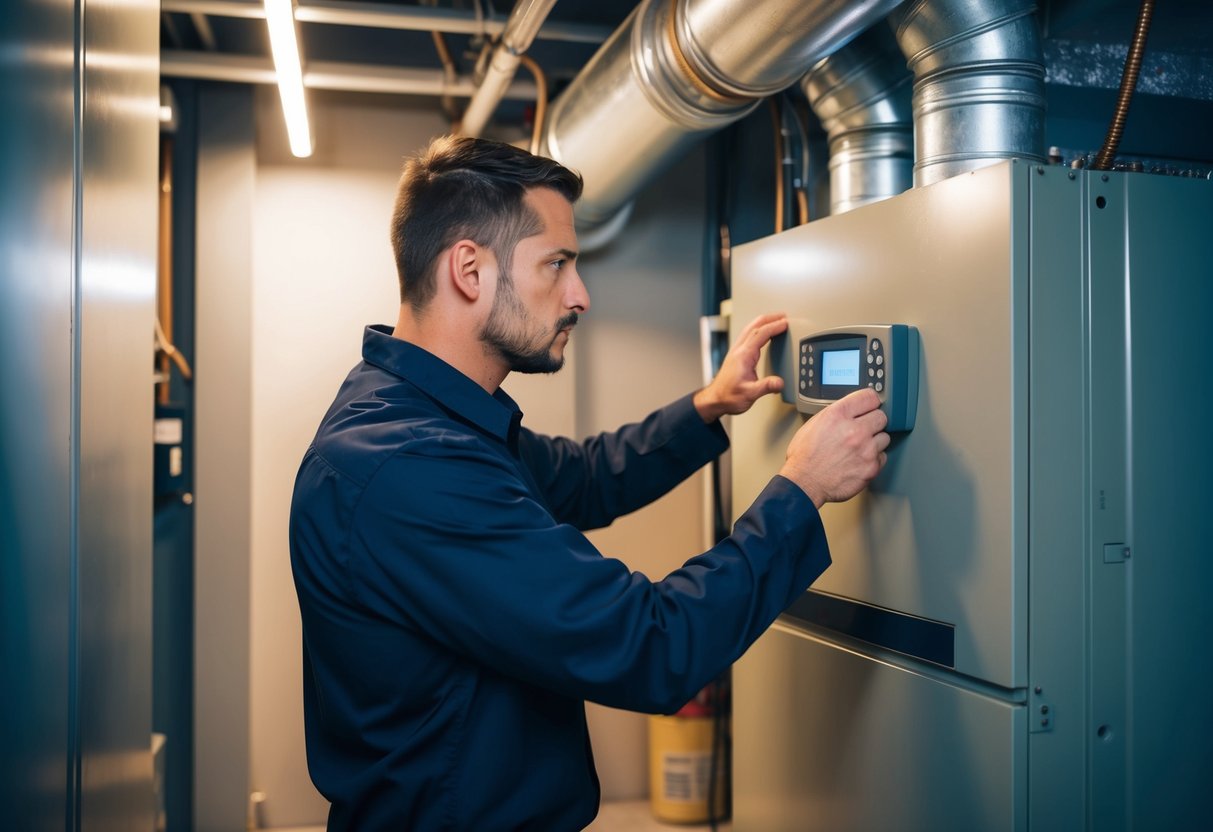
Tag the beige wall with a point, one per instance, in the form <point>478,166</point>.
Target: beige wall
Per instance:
<point>322,268</point>
<point>638,350</point>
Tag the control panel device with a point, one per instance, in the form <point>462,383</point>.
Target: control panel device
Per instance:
<point>830,363</point>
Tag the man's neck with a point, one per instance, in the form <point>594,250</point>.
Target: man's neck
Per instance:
<point>455,342</point>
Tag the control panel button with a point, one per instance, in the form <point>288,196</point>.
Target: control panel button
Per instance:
<point>880,373</point>
<point>875,345</point>
<point>871,358</point>
<point>879,360</point>
<point>879,386</point>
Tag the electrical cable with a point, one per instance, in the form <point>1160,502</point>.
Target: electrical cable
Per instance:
<point>1128,84</point>
<point>802,130</point>
<point>777,126</point>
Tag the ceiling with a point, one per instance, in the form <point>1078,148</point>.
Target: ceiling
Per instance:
<point>1085,43</point>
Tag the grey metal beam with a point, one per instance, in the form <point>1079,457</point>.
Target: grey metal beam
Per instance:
<point>325,75</point>
<point>384,16</point>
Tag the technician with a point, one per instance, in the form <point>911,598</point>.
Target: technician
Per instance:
<point>455,617</point>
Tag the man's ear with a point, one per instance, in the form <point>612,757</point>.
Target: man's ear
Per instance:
<point>466,268</point>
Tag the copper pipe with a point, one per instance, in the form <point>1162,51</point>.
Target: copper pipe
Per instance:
<point>164,276</point>
<point>1128,83</point>
<point>449,73</point>
<point>541,98</point>
<point>168,354</point>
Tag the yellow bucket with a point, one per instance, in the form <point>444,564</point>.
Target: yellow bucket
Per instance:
<point>680,764</point>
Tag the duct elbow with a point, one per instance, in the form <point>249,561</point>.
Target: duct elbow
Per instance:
<point>978,83</point>
<point>861,95</point>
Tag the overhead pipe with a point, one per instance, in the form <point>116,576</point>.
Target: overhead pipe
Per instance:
<point>979,83</point>
<point>677,70</point>
<point>324,75</point>
<point>520,30</point>
<point>387,16</point>
<point>861,94</point>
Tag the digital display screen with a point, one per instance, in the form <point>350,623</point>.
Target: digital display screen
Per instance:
<point>840,367</point>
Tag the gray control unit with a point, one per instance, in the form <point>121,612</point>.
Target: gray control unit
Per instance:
<point>822,367</point>
<point>1012,634</point>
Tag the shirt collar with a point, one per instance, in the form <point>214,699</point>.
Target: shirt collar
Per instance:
<point>496,414</point>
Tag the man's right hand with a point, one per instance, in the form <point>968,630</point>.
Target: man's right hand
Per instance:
<point>840,450</point>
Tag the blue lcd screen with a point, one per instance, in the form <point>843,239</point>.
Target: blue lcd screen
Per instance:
<point>840,368</point>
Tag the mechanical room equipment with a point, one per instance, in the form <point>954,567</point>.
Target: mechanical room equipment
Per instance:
<point>1012,635</point>
<point>822,367</point>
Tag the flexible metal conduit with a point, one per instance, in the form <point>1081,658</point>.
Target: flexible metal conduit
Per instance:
<point>979,82</point>
<point>1128,83</point>
<point>679,69</point>
<point>861,94</point>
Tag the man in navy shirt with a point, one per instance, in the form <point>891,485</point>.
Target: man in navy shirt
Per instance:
<point>455,618</point>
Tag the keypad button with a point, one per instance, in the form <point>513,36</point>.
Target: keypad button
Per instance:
<point>879,386</point>
<point>880,373</point>
<point>871,358</point>
<point>871,373</point>
<point>875,345</point>
<point>879,359</point>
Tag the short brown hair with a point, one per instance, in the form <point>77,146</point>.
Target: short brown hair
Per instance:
<point>460,187</point>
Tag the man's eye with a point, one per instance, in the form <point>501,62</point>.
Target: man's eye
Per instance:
<point>558,264</point>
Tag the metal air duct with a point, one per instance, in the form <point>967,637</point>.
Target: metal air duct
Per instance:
<point>679,69</point>
<point>979,81</point>
<point>861,94</point>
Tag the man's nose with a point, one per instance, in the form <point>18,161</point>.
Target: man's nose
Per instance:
<point>578,297</point>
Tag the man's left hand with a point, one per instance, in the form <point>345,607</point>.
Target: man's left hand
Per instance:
<point>737,385</point>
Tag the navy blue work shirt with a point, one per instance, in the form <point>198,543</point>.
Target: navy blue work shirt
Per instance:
<point>455,618</point>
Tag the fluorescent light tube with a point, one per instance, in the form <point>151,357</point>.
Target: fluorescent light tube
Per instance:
<point>280,16</point>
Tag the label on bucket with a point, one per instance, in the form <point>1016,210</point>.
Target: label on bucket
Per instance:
<point>685,776</point>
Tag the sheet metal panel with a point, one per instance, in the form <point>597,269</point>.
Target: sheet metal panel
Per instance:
<point>116,294</point>
<point>36,279</point>
<point>1058,603</point>
<point>840,743</point>
<point>1168,293</point>
<point>942,532</point>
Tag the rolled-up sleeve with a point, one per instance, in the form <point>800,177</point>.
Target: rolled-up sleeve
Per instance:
<point>449,540</point>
